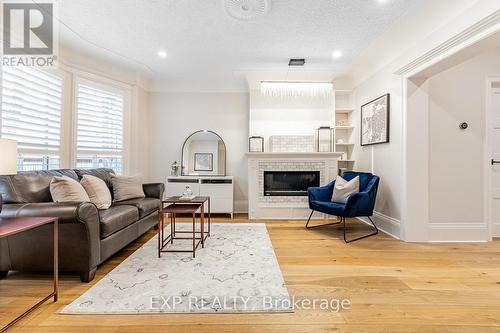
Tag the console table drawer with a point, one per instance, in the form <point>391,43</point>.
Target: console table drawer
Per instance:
<point>216,181</point>
<point>214,191</point>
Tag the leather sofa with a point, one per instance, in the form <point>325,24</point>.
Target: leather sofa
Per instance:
<point>87,236</point>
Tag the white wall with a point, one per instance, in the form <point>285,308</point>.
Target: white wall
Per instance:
<point>384,160</point>
<point>174,116</point>
<point>456,157</point>
<point>140,137</point>
<point>446,165</point>
<point>403,163</point>
<point>288,116</point>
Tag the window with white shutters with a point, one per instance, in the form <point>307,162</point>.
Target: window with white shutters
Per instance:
<point>31,115</point>
<point>99,134</point>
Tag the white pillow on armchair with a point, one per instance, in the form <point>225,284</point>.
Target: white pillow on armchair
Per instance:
<point>343,189</point>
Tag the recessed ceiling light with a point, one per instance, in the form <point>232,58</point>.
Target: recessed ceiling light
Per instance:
<point>162,54</point>
<point>336,54</point>
<point>382,2</point>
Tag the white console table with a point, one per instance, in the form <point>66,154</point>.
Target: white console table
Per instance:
<point>218,188</point>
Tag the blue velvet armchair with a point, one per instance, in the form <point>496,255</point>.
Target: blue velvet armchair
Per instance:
<point>358,205</point>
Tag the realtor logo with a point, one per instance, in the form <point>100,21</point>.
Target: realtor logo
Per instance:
<point>28,33</point>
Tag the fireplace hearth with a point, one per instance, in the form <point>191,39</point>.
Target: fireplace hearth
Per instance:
<point>289,183</point>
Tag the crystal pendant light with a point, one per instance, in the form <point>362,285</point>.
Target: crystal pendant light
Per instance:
<point>293,89</point>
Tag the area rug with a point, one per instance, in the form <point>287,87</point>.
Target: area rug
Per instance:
<point>237,271</point>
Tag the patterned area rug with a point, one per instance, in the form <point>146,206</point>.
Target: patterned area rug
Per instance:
<point>237,271</point>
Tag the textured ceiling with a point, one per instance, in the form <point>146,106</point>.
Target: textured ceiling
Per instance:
<point>206,47</point>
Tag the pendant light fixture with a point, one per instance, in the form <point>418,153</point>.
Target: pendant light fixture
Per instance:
<point>295,89</point>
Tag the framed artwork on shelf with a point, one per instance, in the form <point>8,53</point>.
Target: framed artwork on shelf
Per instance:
<point>203,162</point>
<point>256,144</point>
<point>375,121</point>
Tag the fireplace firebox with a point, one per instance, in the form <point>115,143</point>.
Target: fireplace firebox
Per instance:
<point>289,183</point>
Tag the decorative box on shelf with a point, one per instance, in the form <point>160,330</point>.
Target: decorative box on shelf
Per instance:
<point>256,144</point>
<point>324,136</point>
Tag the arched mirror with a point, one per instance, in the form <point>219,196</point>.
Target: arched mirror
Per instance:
<point>204,154</point>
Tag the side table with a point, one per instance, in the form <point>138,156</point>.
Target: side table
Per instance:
<point>173,210</point>
<point>203,200</point>
<point>16,225</point>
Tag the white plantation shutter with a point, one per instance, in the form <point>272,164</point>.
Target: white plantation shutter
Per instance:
<point>31,115</point>
<point>99,127</point>
<point>31,108</point>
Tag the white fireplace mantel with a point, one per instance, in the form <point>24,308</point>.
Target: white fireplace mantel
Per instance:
<point>294,155</point>
<point>284,207</point>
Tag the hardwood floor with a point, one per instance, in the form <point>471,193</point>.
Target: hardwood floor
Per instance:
<point>392,286</point>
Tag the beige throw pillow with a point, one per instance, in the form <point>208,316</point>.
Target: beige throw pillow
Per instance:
<point>344,189</point>
<point>97,190</point>
<point>127,187</point>
<point>66,189</point>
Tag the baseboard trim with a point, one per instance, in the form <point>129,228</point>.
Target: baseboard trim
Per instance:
<point>384,223</point>
<point>495,230</point>
<point>458,232</point>
<point>241,206</point>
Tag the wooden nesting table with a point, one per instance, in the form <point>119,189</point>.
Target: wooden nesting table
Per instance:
<point>176,205</point>
<point>16,225</point>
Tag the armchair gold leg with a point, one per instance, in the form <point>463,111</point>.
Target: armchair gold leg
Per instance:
<point>319,225</point>
<point>358,238</point>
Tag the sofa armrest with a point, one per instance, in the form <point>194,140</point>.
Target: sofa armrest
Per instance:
<point>154,190</point>
<point>84,213</point>
<point>66,212</point>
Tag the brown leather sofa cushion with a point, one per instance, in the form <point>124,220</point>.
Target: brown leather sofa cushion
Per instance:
<point>116,218</point>
<point>145,205</point>
<point>30,186</point>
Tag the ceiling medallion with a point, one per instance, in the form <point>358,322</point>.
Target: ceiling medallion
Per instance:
<point>246,10</point>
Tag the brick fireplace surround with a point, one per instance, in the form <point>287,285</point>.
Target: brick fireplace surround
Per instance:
<point>285,207</point>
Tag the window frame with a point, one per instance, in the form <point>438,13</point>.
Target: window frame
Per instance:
<point>112,87</point>
<point>71,76</point>
<point>63,152</point>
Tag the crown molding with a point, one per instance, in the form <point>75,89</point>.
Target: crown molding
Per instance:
<point>482,29</point>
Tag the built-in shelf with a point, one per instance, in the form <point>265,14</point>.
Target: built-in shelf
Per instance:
<point>344,110</point>
<point>344,113</point>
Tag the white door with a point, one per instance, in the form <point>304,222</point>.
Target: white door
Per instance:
<point>494,139</point>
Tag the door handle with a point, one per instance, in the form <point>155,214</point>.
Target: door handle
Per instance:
<point>493,162</point>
